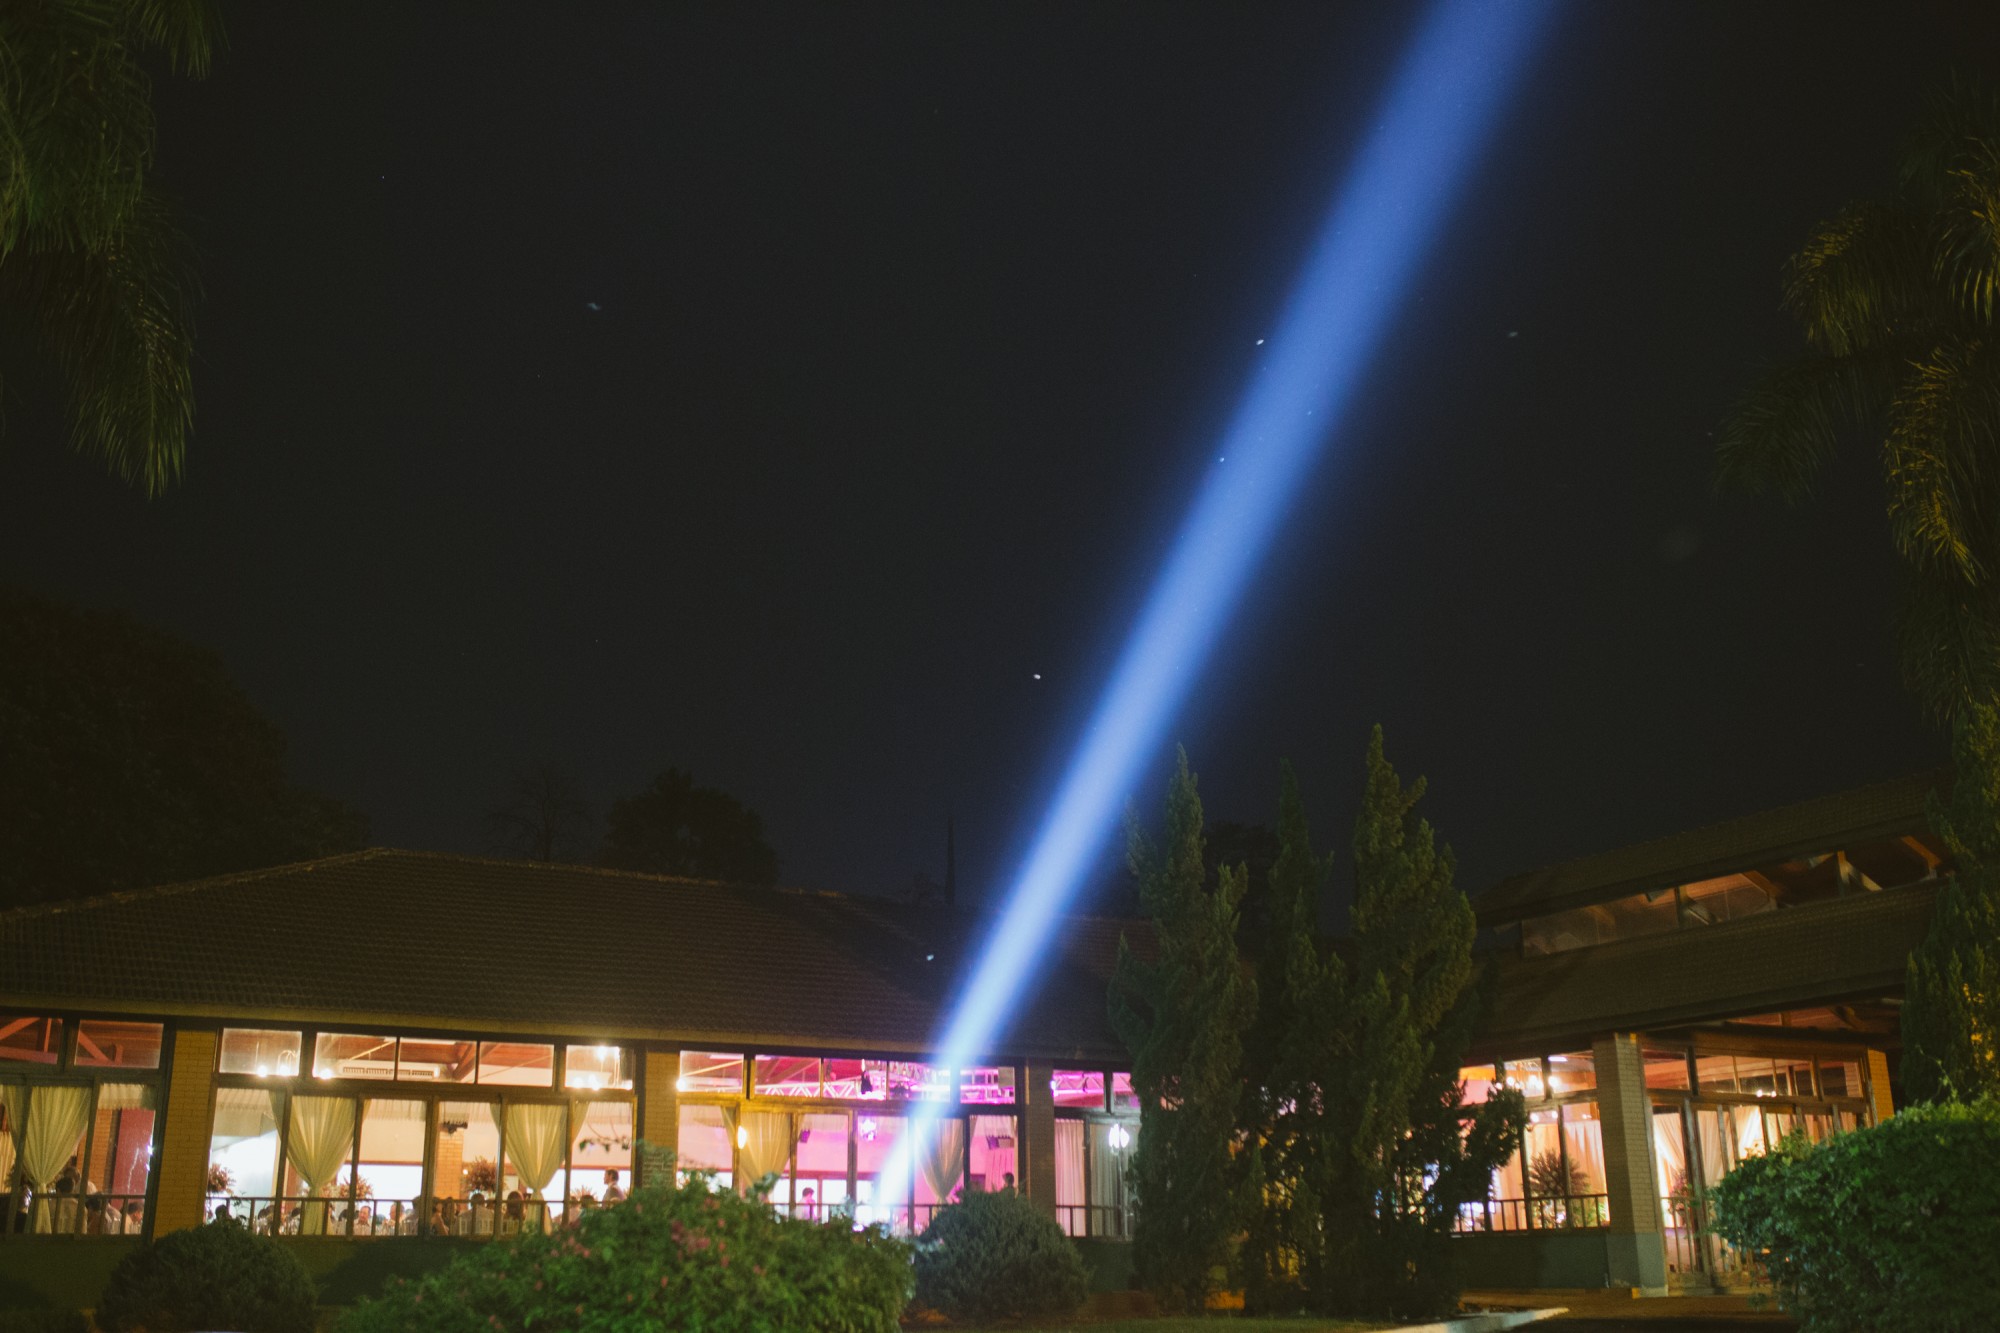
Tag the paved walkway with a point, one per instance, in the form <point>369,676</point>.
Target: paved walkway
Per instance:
<point>1609,1312</point>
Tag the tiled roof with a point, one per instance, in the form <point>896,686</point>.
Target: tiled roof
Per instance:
<point>1881,810</point>
<point>1842,949</point>
<point>415,939</point>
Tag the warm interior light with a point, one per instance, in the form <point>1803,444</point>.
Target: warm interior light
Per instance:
<point>263,1071</point>
<point>742,1136</point>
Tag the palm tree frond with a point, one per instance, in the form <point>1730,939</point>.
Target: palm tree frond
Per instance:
<point>118,324</point>
<point>1937,460</point>
<point>1968,247</point>
<point>1950,645</point>
<point>1786,428</point>
<point>1853,283</point>
<point>189,31</point>
<point>1962,113</point>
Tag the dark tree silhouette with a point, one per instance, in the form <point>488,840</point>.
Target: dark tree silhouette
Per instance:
<point>543,818</point>
<point>677,828</point>
<point>128,758</point>
<point>94,270</point>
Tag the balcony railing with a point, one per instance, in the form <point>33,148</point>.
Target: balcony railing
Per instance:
<point>1571,1212</point>
<point>62,1214</point>
<point>1102,1220</point>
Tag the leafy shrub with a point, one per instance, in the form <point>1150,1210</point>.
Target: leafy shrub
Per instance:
<point>665,1257</point>
<point>212,1276</point>
<point>43,1321</point>
<point>1882,1230</point>
<point>995,1255</point>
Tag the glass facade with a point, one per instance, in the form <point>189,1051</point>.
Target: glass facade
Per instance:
<point>79,1115</point>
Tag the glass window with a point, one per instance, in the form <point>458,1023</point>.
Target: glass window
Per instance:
<point>534,1147</point>
<point>103,1043</point>
<point>1583,1140</point>
<point>940,1168</point>
<point>465,1175</point>
<point>819,1167</point>
<point>1122,1096</point>
<point>1547,1183</point>
<point>1794,1075</point>
<point>1711,902</point>
<point>995,1153</point>
<point>1716,1073</point>
<point>389,1174</point>
<point>121,1160</point>
<point>35,1041</point>
<point>1575,1071</point>
<point>319,1152</point>
<point>988,1085</point>
<point>1527,1076</point>
<point>1509,1211</point>
<point>1665,1069</point>
<point>1600,923</point>
<point>1478,1081</point>
<point>1757,1074</point>
<point>1078,1087</point>
<point>875,1140</point>
<point>259,1051</point>
<point>1840,1078</point>
<point>1071,1203</point>
<point>243,1156</point>
<point>517,1063</point>
<point>916,1082</point>
<point>596,1067</point>
<point>350,1055</point>
<point>600,1159</point>
<point>707,1141</point>
<point>854,1080</point>
<point>436,1060</point>
<point>786,1076</point>
<point>1109,1155</point>
<point>710,1071</point>
<point>764,1148</point>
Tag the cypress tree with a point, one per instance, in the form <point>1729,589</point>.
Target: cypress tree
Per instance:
<point>1951,1007</point>
<point>1380,1142</point>
<point>1182,1014</point>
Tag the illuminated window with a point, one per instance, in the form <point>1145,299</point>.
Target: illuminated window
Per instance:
<point>259,1051</point>
<point>103,1043</point>
<point>517,1063</point>
<point>436,1060</point>
<point>351,1055</point>
<point>1478,1081</point>
<point>1078,1087</point>
<point>710,1071</point>
<point>1122,1096</point>
<point>989,1085</point>
<point>243,1175</point>
<point>1574,1071</point>
<point>35,1041</point>
<point>786,1076</point>
<point>592,1067</point>
<point>1665,1069</point>
<point>707,1142</point>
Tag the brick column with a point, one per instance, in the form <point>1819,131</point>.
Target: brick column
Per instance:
<point>659,1101</point>
<point>1880,1100</point>
<point>181,1195</point>
<point>1038,1139</point>
<point>1635,1249</point>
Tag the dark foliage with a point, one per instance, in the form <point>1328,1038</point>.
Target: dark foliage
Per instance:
<point>994,1255</point>
<point>1183,1015</point>
<point>667,1257</point>
<point>43,1321</point>
<point>1881,1230</point>
<point>215,1276</point>
<point>1951,1007</point>
<point>129,758</point>
<point>677,828</point>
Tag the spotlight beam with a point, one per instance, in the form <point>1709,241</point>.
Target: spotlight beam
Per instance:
<point>1445,98</point>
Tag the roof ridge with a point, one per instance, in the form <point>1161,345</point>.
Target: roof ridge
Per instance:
<point>615,872</point>
<point>151,891</point>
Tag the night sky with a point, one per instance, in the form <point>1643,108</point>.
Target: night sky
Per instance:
<point>774,393</point>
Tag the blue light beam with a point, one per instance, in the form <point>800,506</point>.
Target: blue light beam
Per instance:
<point>1444,101</point>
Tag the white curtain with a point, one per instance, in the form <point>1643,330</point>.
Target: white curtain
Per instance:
<point>1069,1172</point>
<point>537,1142</point>
<point>56,1118</point>
<point>1584,1137</point>
<point>1669,1152</point>
<point>764,1147</point>
<point>944,1159</point>
<point>322,1135</point>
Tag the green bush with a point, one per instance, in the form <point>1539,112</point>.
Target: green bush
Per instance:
<point>43,1321</point>
<point>996,1256</point>
<point>1882,1230</point>
<point>212,1276</point>
<point>681,1257</point>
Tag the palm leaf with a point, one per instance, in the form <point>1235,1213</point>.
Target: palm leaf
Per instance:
<point>1859,281</point>
<point>189,31</point>
<point>1787,427</point>
<point>118,324</point>
<point>1949,637</point>
<point>1937,460</point>
<point>1968,247</point>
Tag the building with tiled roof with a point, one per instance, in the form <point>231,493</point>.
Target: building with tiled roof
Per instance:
<point>381,1056</point>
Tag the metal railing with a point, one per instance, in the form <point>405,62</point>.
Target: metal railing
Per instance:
<point>1573,1212</point>
<point>63,1214</point>
<point>1105,1221</point>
